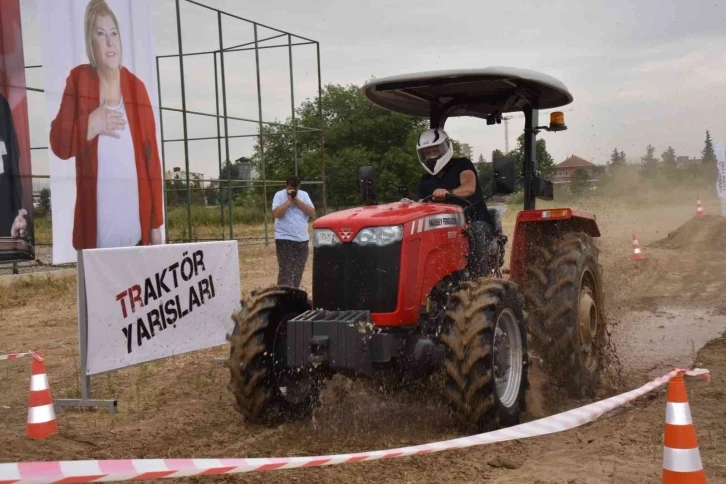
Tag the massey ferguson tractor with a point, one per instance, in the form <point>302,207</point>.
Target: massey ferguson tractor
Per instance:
<point>393,286</point>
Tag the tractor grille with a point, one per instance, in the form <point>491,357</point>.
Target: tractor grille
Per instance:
<point>348,276</point>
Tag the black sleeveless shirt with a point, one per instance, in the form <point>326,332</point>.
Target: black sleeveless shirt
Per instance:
<point>449,180</point>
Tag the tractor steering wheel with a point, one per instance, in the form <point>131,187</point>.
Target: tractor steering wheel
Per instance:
<point>449,196</point>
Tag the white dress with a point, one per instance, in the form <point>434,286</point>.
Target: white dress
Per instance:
<point>117,199</point>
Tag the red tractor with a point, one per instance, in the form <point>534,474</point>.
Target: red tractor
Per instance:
<point>393,289</point>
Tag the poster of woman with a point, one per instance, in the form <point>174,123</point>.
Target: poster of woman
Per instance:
<point>16,190</point>
<point>102,109</point>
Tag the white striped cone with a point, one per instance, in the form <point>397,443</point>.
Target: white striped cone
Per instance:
<point>637,254</point>
<point>41,414</point>
<point>681,457</point>
<point>700,212</point>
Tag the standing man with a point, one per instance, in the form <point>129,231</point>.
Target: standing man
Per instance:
<point>291,208</point>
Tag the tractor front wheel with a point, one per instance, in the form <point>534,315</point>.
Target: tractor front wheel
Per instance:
<point>486,363</point>
<point>265,390</point>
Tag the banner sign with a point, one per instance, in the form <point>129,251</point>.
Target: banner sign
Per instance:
<point>147,303</point>
<point>17,237</point>
<point>102,109</point>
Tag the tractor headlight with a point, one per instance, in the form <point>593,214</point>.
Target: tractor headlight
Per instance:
<point>324,237</point>
<point>379,235</point>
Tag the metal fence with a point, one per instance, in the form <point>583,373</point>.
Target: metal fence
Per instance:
<point>204,210</point>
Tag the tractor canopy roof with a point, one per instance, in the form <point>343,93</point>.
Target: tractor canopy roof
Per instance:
<point>481,93</point>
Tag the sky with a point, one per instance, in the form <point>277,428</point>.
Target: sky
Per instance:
<point>641,72</point>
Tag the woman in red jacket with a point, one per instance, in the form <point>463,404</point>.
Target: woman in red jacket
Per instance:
<point>107,123</point>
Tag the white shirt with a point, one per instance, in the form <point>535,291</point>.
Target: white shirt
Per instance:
<point>293,225</point>
<point>117,199</point>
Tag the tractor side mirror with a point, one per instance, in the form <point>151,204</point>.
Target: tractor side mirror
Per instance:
<point>366,176</point>
<point>543,189</point>
<point>504,173</point>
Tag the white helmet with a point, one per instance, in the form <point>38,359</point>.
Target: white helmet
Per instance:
<point>434,150</point>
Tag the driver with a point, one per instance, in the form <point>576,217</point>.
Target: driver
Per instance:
<point>447,175</point>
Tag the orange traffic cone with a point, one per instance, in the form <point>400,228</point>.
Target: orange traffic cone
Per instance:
<point>700,212</point>
<point>681,457</point>
<point>41,414</point>
<point>637,254</point>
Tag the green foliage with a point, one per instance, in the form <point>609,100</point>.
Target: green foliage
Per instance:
<point>709,155</point>
<point>617,158</point>
<point>485,171</point>
<point>230,179</point>
<point>210,216</point>
<point>669,156</point>
<point>357,133</point>
<point>44,200</point>
<point>178,195</point>
<point>545,162</point>
<point>670,169</point>
<point>650,162</point>
<point>579,182</point>
<point>212,194</point>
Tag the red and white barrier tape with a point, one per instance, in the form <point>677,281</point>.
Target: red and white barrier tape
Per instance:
<point>15,356</point>
<point>144,469</point>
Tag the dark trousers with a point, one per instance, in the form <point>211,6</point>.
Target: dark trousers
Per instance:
<point>291,259</point>
<point>484,252</point>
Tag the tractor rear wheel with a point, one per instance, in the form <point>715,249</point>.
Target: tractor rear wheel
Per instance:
<point>265,390</point>
<point>486,362</point>
<point>566,298</point>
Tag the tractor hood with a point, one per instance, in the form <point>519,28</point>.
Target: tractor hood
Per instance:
<point>355,219</point>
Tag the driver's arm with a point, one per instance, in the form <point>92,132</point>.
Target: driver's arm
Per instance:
<point>468,185</point>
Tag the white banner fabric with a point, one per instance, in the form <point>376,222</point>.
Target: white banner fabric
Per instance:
<point>147,303</point>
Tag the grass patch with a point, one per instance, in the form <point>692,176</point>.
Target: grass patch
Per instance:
<point>31,288</point>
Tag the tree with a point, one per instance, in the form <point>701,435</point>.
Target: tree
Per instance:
<point>545,162</point>
<point>579,181</point>
<point>709,155</point>
<point>44,199</point>
<point>669,156</point>
<point>230,177</point>
<point>481,159</point>
<point>617,158</point>
<point>670,167</point>
<point>485,171</point>
<point>212,193</point>
<point>497,154</point>
<point>357,133</point>
<point>650,162</point>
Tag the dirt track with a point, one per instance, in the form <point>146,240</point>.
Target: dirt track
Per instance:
<point>180,407</point>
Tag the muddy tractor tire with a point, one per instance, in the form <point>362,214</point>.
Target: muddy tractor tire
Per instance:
<point>486,361</point>
<point>265,391</point>
<point>567,327</point>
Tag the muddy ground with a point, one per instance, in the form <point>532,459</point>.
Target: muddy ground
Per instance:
<point>661,313</point>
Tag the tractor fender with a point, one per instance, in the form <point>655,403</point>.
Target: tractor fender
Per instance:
<point>535,226</point>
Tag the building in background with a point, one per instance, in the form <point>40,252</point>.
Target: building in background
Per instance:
<point>565,170</point>
<point>466,150</point>
<point>177,173</point>
<point>245,170</point>
<point>682,161</point>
